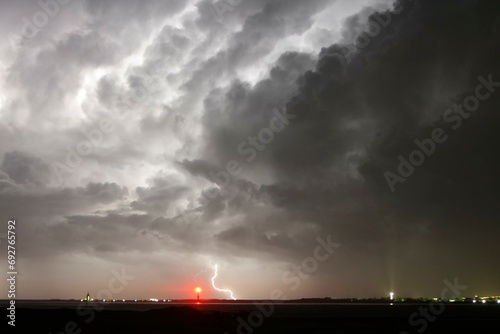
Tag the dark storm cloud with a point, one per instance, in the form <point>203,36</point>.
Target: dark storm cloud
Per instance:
<point>157,184</point>
<point>444,73</point>
<point>355,116</point>
<point>243,109</point>
<point>342,107</point>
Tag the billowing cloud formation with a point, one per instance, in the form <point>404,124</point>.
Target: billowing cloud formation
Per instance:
<point>165,137</point>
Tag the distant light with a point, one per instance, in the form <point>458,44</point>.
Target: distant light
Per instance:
<point>114,300</point>
<point>498,301</point>
<point>198,290</point>
<point>124,300</point>
<point>163,300</point>
<point>136,300</point>
<point>104,300</point>
<point>391,294</point>
<point>474,301</point>
<point>452,300</point>
<point>484,301</point>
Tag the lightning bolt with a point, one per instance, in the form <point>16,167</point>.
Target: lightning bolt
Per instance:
<point>221,290</point>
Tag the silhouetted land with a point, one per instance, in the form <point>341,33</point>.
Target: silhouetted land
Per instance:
<point>134,317</point>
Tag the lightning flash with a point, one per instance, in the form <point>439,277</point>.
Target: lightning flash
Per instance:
<point>221,290</point>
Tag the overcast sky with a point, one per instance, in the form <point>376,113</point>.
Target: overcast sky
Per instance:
<point>171,93</point>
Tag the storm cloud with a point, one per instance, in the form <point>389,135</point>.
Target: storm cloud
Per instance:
<point>167,137</point>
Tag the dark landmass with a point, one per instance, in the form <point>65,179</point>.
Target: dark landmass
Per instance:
<point>263,317</point>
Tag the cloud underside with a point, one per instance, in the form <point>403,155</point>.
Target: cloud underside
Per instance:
<point>178,174</point>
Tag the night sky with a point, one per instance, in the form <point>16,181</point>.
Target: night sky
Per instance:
<point>164,137</point>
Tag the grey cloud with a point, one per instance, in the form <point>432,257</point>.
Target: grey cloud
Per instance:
<point>354,114</point>
<point>24,168</point>
<point>257,37</point>
<point>232,115</point>
<point>160,196</point>
<point>355,117</point>
<point>99,235</point>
